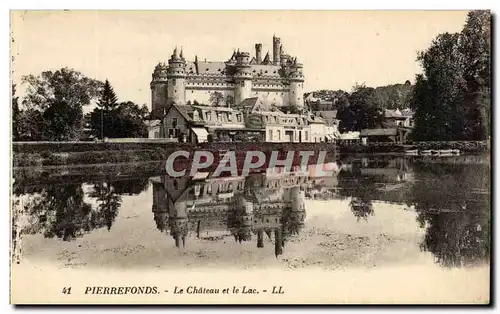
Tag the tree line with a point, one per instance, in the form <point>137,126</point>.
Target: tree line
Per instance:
<point>451,99</point>
<point>52,109</point>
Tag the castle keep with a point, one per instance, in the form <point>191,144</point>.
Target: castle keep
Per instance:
<point>277,81</point>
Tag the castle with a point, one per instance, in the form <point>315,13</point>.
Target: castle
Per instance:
<point>278,81</point>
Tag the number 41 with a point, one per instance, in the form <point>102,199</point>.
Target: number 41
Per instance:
<point>66,290</point>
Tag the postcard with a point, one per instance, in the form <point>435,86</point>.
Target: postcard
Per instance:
<point>250,157</point>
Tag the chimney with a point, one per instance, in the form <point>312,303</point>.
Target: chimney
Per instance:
<point>276,50</point>
<point>258,53</point>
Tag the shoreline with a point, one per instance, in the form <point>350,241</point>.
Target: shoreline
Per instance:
<point>45,154</point>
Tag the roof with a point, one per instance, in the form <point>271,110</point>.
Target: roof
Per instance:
<point>327,114</point>
<point>219,68</point>
<point>206,67</point>
<point>152,123</point>
<point>312,118</point>
<point>158,112</point>
<point>398,114</point>
<point>183,110</point>
<point>349,135</point>
<point>248,102</point>
<point>379,132</point>
<point>210,108</point>
<point>265,69</point>
<point>407,112</point>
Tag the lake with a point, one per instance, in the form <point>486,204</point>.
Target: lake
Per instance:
<point>367,212</point>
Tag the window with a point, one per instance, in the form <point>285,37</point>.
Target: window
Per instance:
<point>229,117</point>
<point>173,82</point>
<point>171,133</point>
<point>209,116</point>
<point>279,134</point>
<point>174,122</point>
<point>238,117</point>
<point>306,136</point>
<point>270,134</point>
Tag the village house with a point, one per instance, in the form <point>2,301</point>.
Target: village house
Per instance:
<point>202,123</point>
<point>331,123</point>
<point>283,127</point>
<point>397,126</point>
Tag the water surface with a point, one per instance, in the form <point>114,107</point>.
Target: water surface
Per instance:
<point>367,213</point>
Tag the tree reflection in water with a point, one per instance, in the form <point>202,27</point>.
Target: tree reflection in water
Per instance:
<point>60,211</point>
<point>361,190</point>
<point>453,204</point>
<point>108,203</point>
<point>57,211</point>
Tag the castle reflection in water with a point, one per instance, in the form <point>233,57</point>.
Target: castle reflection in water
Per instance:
<point>451,200</point>
<point>269,204</point>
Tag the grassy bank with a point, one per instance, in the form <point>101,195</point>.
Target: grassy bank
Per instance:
<point>463,146</point>
<point>38,155</point>
<point>83,153</point>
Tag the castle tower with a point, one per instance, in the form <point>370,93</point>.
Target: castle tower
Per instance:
<point>242,77</point>
<point>296,85</point>
<point>297,213</point>
<point>179,223</point>
<point>278,242</point>
<point>243,219</point>
<point>258,53</point>
<point>177,78</point>
<point>158,85</point>
<point>276,50</point>
<point>260,238</point>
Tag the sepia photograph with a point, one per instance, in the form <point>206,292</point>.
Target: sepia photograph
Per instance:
<point>250,157</point>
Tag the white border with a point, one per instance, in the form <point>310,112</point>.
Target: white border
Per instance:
<point>184,4</point>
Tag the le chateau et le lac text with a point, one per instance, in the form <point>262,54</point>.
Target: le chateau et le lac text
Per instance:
<point>234,290</point>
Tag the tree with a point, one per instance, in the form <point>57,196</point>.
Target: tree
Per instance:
<point>476,47</point>
<point>395,96</point>
<point>361,112</point>
<point>452,98</point>
<point>145,114</point>
<point>31,125</point>
<point>16,114</point>
<point>60,120</point>
<point>102,119</point>
<point>216,98</point>
<point>125,120</point>
<point>64,87</point>
<point>230,101</point>
<point>108,99</point>
<point>130,120</point>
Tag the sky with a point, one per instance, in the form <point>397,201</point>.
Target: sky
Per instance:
<point>338,48</point>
